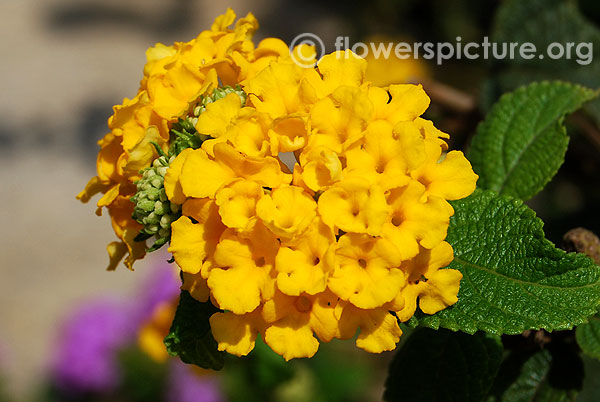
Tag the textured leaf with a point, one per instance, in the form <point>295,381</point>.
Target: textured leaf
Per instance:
<point>443,366</point>
<point>513,278</point>
<point>545,376</point>
<point>543,22</point>
<point>522,142</point>
<point>588,337</point>
<point>190,336</point>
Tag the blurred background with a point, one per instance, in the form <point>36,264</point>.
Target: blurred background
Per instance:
<point>66,62</point>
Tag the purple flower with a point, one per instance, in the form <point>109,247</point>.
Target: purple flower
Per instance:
<point>86,358</point>
<point>86,354</point>
<point>160,287</point>
<point>187,385</point>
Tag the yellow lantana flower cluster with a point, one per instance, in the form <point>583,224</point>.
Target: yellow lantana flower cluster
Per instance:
<point>346,240</point>
<point>175,77</point>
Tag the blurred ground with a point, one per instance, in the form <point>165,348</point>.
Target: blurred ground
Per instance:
<point>64,64</point>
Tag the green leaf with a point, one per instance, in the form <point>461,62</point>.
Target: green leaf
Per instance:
<point>513,278</point>
<point>190,336</point>
<point>588,337</point>
<point>554,375</point>
<point>543,22</point>
<point>443,366</point>
<point>522,142</point>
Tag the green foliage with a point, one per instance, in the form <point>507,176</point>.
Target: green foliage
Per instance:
<point>190,336</point>
<point>142,378</point>
<point>588,337</point>
<point>514,279</point>
<point>591,382</point>
<point>255,377</point>
<point>550,375</point>
<point>332,375</point>
<point>543,22</point>
<point>184,135</point>
<point>522,142</point>
<point>338,376</point>
<point>443,366</point>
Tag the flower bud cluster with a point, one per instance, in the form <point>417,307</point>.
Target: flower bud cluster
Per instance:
<point>152,207</point>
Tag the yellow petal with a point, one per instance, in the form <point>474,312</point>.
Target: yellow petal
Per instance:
<point>196,285</point>
<point>223,21</point>
<point>408,102</point>
<point>451,179</point>
<point>321,168</point>
<point>441,290</point>
<point>288,134</point>
<point>116,252</point>
<point>235,334</point>
<point>287,211</point>
<point>379,330</point>
<point>244,274</point>
<point>172,184</point>
<point>219,115</point>
<point>275,90</point>
<point>292,337</point>
<point>188,244</point>
<point>201,176</point>
<point>354,206</point>
<point>340,68</point>
<point>367,272</point>
<point>93,187</point>
<point>265,171</point>
<point>237,204</point>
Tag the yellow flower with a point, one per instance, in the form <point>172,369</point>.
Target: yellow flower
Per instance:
<point>277,90</point>
<point>383,71</point>
<point>381,159</point>
<point>236,333</point>
<point>367,272</point>
<point>227,165</point>
<point>339,121</point>
<point>303,264</point>
<point>321,167</point>
<point>288,134</point>
<point>354,232</point>
<point>237,204</point>
<point>292,322</point>
<point>436,288</point>
<point>287,211</point>
<point>379,330</point>
<point>354,206</point>
<point>152,334</point>
<point>414,222</point>
<point>241,277</point>
<point>192,244</point>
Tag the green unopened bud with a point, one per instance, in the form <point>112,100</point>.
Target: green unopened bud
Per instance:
<point>162,195</point>
<point>152,193</point>
<point>161,208</point>
<point>152,218</point>
<point>162,171</point>
<point>165,221</point>
<point>152,207</point>
<point>157,182</point>
<point>145,205</point>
